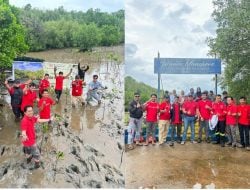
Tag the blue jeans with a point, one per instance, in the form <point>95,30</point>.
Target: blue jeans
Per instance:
<point>188,121</point>
<point>134,130</point>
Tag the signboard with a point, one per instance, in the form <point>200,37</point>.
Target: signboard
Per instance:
<point>23,69</point>
<point>187,66</point>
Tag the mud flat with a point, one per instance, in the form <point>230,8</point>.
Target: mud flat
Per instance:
<point>84,146</point>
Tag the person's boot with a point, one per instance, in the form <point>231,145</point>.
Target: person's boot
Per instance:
<point>29,159</point>
<point>37,165</point>
<point>222,141</point>
<point>199,140</point>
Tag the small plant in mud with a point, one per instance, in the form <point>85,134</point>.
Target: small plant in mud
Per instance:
<point>59,155</point>
<point>45,127</point>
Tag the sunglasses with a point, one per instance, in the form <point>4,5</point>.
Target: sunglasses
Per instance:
<point>137,96</point>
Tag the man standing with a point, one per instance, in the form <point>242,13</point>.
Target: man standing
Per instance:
<point>243,122</point>
<point>151,107</point>
<point>164,119</point>
<point>59,83</point>
<point>204,109</point>
<point>189,109</point>
<point>45,104</point>
<point>16,94</point>
<point>219,109</point>
<point>176,120</point>
<point>231,121</point>
<point>29,136</point>
<point>29,96</point>
<point>77,91</point>
<point>44,84</point>
<point>93,89</point>
<point>82,71</point>
<point>135,122</point>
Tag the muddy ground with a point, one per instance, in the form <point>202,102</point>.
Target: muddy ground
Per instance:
<point>83,147</point>
<point>187,166</point>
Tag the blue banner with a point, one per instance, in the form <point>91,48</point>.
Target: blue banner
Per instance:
<point>187,66</point>
<point>27,66</point>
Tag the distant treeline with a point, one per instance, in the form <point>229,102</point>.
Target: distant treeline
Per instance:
<point>132,86</point>
<point>58,28</point>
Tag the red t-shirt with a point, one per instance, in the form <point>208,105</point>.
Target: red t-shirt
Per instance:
<point>190,106</point>
<point>165,106</point>
<point>77,87</point>
<point>205,113</point>
<point>28,125</point>
<point>244,117</point>
<point>28,99</point>
<point>219,108</point>
<point>44,84</point>
<point>152,110</point>
<point>45,113</point>
<point>176,108</point>
<point>59,82</point>
<point>11,90</point>
<point>230,119</point>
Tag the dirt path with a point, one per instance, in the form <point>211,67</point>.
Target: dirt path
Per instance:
<point>185,166</point>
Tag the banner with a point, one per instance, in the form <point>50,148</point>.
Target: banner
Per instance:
<point>187,66</point>
<point>36,70</point>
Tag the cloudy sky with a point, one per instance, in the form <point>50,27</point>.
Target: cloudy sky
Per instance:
<point>83,5</point>
<point>175,28</point>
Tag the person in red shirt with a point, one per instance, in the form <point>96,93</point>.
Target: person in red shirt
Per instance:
<point>59,83</point>
<point>219,109</point>
<point>164,119</point>
<point>77,91</point>
<point>204,108</point>
<point>16,94</point>
<point>29,96</point>
<point>231,121</point>
<point>243,122</point>
<point>44,84</point>
<point>189,109</point>
<point>151,107</point>
<point>28,135</point>
<point>45,104</point>
<point>176,119</point>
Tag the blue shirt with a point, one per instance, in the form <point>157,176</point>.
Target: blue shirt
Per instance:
<point>95,85</point>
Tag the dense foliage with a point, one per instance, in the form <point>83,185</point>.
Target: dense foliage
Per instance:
<point>12,38</point>
<point>58,28</point>
<point>232,44</point>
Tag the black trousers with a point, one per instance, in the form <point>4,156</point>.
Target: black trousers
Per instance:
<point>58,94</point>
<point>17,111</point>
<point>220,131</point>
<point>244,134</point>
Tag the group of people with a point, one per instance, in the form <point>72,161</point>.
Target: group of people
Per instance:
<point>24,95</point>
<point>216,115</point>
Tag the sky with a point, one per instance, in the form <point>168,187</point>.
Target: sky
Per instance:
<point>175,28</point>
<point>78,5</point>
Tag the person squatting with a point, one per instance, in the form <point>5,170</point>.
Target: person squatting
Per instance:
<point>218,116</point>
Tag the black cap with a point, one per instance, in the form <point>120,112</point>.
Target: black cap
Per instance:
<point>136,93</point>
<point>166,97</point>
<point>17,81</point>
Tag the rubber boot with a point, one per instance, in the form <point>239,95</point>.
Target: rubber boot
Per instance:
<point>222,141</point>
